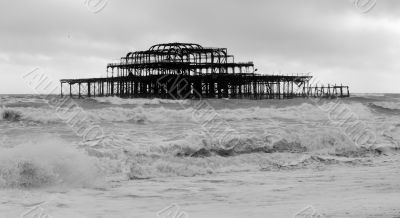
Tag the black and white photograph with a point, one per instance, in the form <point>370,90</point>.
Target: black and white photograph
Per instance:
<point>199,109</point>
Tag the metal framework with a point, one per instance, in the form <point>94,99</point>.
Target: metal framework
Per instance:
<point>187,70</point>
<point>179,58</point>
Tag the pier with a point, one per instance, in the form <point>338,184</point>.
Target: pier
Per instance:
<point>186,70</point>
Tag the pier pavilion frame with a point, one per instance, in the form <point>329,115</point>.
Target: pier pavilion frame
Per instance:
<point>178,59</point>
<point>187,70</point>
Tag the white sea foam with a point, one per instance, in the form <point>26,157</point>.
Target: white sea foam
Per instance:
<point>39,115</point>
<point>169,141</point>
<point>303,112</point>
<point>388,105</point>
<point>46,162</point>
<point>139,101</point>
<point>368,94</point>
<point>277,146</point>
<point>141,114</point>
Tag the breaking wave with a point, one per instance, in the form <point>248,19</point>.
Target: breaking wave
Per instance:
<point>198,155</point>
<point>268,137</point>
<point>391,108</point>
<point>139,101</point>
<point>142,114</point>
<point>10,115</point>
<point>49,162</point>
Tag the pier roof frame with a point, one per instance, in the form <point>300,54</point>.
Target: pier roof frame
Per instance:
<point>188,56</point>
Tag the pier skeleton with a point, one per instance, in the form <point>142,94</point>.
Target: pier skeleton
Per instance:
<point>187,70</point>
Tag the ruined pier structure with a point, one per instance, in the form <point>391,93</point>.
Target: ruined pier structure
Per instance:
<point>186,70</point>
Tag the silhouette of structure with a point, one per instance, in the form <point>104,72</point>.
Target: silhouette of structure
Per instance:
<point>186,70</point>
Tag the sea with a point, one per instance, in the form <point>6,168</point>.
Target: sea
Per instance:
<point>114,157</point>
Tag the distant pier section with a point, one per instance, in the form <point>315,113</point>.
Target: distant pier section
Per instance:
<point>187,70</point>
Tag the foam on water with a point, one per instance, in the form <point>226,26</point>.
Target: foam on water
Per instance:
<point>139,101</point>
<point>302,112</point>
<point>394,106</point>
<point>198,154</point>
<point>143,140</point>
<point>139,114</point>
<point>5,99</point>
<point>47,162</point>
<point>305,111</point>
<point>368,94</point>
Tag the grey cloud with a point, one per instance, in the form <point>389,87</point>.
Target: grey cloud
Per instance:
<point>286,34</point>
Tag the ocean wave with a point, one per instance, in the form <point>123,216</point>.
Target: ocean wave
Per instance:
<point>386,107</point>
<point>324,142</point>
<point>53,162</point>
<point>303,112</point>
<point>233,148</point>
<point>368,94</point>
<point>314,161</point>
<point>144,167</point>
<point>166,141</point>
<point>199,155</point>
<point>22,99</point>
<point>44,163</point>
<point>139,101</point>
<point>10,115</point>
<point>138,115</point>
<point>30,114</point>
<point>142,114</point>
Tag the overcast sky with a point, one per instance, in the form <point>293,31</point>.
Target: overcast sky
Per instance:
<point>335,40</point>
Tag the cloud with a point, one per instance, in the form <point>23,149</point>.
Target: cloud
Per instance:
<point>332,39</point>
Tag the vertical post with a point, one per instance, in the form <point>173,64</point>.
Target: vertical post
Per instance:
<point>88,84</point>
<point>292,93</point>
<point>70,90</point>
<point>279,89</point>
<point>341,90</point>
